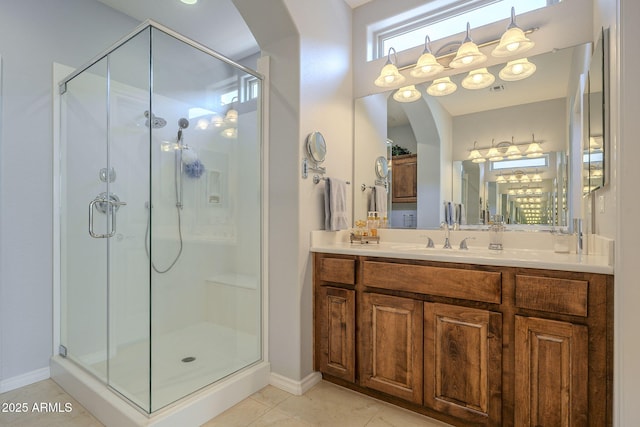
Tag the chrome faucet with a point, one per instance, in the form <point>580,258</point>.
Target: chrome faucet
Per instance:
<point>463,243</point>
<point>445,227</point>
<point>430,242</point>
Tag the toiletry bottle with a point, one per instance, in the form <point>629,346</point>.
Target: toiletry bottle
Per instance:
<point>496,230</point>
<point>373,222</point>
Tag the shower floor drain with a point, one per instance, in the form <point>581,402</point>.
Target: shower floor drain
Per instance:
<point>188,359</point>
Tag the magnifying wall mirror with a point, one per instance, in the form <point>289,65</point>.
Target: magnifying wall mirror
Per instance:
<point>316,147</point>
<point>382,167</point>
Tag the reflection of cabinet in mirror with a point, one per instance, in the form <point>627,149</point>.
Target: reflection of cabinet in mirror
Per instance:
<point>404,184</point>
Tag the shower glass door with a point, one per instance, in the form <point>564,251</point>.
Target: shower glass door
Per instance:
<point>161,223</point>
<point>105,170</point>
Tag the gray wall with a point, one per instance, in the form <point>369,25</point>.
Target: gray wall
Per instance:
<point>33,35</point>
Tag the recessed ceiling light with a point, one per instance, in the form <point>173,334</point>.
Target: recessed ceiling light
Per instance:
<point>189,1</point>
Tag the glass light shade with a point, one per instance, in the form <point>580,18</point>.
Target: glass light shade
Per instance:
<point>468,54</point>
<point>189,1</point>
<point>513,152</point>
<point>478,79</point>
<point>494,155</point>
<point>512,42</point>
<point>501,179</point>
<point>231,116</point>
<point>534,150</point>
<point>389,76</point>
<point>202,124</point>
<point>536,177</point>
<point>513,179</point>
<point>441,87</point>
<point>512,192</point>
<point>407,94</point>
<point>517,70</point>
<point>427,66</point>
<point>538,190</point>
<point>525,179</point>
<point>594,145</point>
<point>476,157</point>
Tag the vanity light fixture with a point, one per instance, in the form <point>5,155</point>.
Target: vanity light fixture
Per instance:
<point>501,179</point>
<point>407,94</point>
<point>189,1</point>
<point>389,75</point>
<point>494,154</point>
<point>475,155</point>
<point>518,69</point>
<point>513,41</point>
<point>468,53</point>
<point>232,114</point>
<point>513,152</point>
<point>534,149</point>
<point>595,144</point>
<point>536,177</point>
<point>441,87</point>
<point>427,65</point>
<point>478,79</point>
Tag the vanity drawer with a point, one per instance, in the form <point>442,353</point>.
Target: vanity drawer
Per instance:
<point>484,286</point>
<point>338,270</point>
<point>563,296</point>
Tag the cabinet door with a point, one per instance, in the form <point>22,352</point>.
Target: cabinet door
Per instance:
<point>551,373</point>
<point>336,311</point>
<point>463,362</point>
<point>391,346</point>
<point>405,179</point>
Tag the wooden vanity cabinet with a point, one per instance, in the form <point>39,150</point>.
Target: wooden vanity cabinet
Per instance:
<point>469,345</point>
<point>463,362</point>
<point>335,318</point>
<point>390,346</point>
<point>404,184</point>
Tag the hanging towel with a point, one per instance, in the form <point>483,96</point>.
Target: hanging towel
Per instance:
<point>335,205</point>
<point>381,200</point>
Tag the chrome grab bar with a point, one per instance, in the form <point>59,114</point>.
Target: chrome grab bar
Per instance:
<point>110,203</point>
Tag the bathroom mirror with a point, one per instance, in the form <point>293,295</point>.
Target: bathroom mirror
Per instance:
<point>316,147</point>
<point>441,131</point>
<point>594,147</point>
<point>382,167</point>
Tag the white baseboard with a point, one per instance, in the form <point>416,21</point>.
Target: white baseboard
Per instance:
<point>24,379</point>
<point>292,386</point>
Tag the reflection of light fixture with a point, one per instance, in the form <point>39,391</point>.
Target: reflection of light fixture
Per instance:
<point>517,70</point>
<point>427,64</point>
<point>202,124</point>
<point>389,75</point>
<point>217,120</point>
<point>513,41</point>
<point>407,94</point>
<point>594,144</point>
<point>468,53</point>
<point>501,179</point>
<point>189,1</point>
<point>478,79</point>
<point>441,87</point>
<point>231,133</point>
<point>536,177</point>
<point>475,155</point>
<point>534,149</point>
<point>232,114</point>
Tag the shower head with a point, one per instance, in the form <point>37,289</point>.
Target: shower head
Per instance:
<point>182,124</point>
<point>153,121</point>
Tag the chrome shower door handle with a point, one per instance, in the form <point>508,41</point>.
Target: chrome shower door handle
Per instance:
<point>110,203</point>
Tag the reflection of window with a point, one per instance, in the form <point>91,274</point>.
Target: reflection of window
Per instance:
<point>251,87</point>
<point>405,33</point>
<point>537,162</point>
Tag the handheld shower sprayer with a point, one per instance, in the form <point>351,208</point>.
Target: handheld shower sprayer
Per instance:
<point>182,124</point>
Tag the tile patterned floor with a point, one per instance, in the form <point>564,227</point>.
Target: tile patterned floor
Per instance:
<point>324,405</point>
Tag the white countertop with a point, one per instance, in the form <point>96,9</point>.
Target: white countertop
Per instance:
<point>521,249</point>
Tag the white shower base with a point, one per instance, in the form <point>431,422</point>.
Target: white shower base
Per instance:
<point>216,350</point>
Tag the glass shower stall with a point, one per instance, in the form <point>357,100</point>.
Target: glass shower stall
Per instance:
<point>160,217</point>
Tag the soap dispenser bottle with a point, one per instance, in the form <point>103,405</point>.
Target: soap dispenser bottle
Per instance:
<point>496,230</point>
